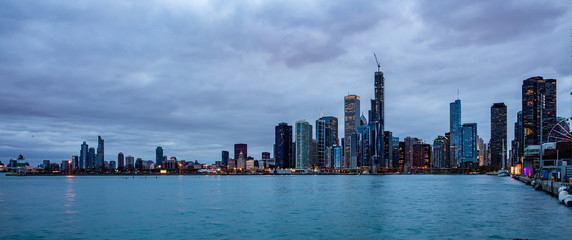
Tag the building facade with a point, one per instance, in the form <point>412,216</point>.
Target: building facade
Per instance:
<point>498,142</point>
<point>303,144</point>
<point>283,146</point>
<point>120,161</point>
<point>83,156</point>
<point>455,131</point>
<point>100,153</point>
<point>159,156</point>
<point>326,136</point>
<point>224,158</point>
<point>441,153</point>
<point>538,108</point>
<point>351,124</point>
<point>377,123</point>
<point>240,148</point>
<point>469,144</point>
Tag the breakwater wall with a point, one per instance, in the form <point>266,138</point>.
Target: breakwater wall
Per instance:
<point>544,185</point>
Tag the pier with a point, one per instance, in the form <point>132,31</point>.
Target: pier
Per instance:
<point>543,184</point>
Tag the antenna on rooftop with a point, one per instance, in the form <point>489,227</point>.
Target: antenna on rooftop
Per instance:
<point>458,93</point>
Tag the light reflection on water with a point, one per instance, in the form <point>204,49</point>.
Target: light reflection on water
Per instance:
<point>141,207</point>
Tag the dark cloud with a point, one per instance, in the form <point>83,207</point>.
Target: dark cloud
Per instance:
<point>462,23</point>
<point>198,77</point>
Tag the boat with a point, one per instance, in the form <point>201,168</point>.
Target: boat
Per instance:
<point>492,173</point>
<point>503,173</point>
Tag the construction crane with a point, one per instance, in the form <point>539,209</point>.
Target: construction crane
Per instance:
<point>378,65</point>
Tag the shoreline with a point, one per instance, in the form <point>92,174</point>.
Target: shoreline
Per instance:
<point>231,174</point>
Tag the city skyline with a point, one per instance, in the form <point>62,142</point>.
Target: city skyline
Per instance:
<point>185,90</point>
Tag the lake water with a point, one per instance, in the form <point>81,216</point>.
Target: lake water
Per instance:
<point>283,207</point>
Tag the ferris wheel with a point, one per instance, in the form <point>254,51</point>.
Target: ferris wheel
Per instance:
<point>561,131</point>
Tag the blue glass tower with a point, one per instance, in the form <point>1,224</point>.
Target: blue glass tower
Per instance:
<point>83,154</point>
<point>455,130</point>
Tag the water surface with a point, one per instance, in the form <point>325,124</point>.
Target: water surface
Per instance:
<point>283,207</point>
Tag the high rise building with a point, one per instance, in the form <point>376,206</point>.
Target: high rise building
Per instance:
<point>314,153</point>
<point>303,144</point>
<point>498,140</point>
<point>130,162</point>
<point>224,158</point>
<point>75,162</point>
<point>354,147</point>
<point>409,142</point>
<point>448,162</point>
<point>538,108</point>
<point>159,156</point>
<point>327,136</point>
<point>100,153</point>
<point>337,156</point>
<point>351,124</point>
<point>455,131</point>
<point>283,146</point>
<point>83,161</point>
<point>265,155</point>
<point>421,156</point>
<point>376,123</point>
<point>120,161</point>
<point>139,164</point>
<point>468,147</point>
<point>240,148</point>
<point>91,158</point>
<point>401,156</point>
<point>395,153</point>
<point>364,153</point>
<point>518,141</point>
<point>440,152</point>
<point>387,149</point>
<point>482,153</point>
<point>241,161</point>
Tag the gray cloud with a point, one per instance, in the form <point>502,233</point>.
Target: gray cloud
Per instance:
<point>197,77</point>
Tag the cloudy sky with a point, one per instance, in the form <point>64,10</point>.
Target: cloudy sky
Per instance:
<point>198,76</point>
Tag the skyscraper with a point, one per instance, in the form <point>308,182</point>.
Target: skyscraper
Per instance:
<point>283,146</point>
<point>351,124</point>
<point>327,136</point>
<point>377,122</point>
<point>83,161</point>
<point>130,162</point>
<point>265,155</point>
<point>354,147</point>
<point>498,141</point>
<point>91,158</point>
<point>455,131</point>
<point>120,161</point>
<point>395,153</point>
<point>337,156</point>
<point>100,153</point>
<point>440,152</point>
<point>387,149</point>
<point>75,162</point>
<point>469,143</point>
<point>224,158</point>
<point>421,156</point>
<point>538,104</point>
<point>240,148</point>
<point>518,142</point>
<point>159,156</point>
<point>409,142</point>
<point>303,144</point>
